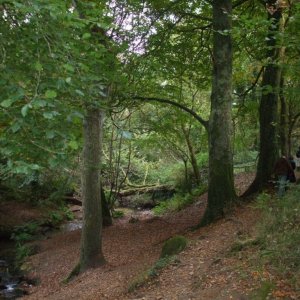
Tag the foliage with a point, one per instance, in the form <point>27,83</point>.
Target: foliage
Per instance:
<point>173,246</point>
<point>45,94</point>
<point>280,231</point>
<point>22,235</point>
<point>277,243</point>
<point>179,201</point>
<point>117,214</point>
<point>25,232</point>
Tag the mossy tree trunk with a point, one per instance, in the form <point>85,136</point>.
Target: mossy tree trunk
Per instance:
<point>221,191</point>
<point>268,110</point>
<point>91,239</point>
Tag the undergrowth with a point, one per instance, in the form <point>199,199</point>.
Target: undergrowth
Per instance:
<point>179,201</point>
<point>279,235</point>
<point>30,231</point>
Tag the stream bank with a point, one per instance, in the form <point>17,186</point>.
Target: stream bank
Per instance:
<point>13,283</point>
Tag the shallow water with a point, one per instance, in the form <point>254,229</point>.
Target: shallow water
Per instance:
<point>71,225</point>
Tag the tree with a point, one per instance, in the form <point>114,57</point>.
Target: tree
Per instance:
<point>220,186</point>
<point>72,69</point>
<point>91,243</point>
<point>268,109</point>
<point>187,21</point>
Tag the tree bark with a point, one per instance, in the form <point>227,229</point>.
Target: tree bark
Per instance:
<point>193,158</point>
<point>106,215</point>
<point>268,110</point>
<point>91,238</point>
<point>221,191</point>
<point>284,142</point>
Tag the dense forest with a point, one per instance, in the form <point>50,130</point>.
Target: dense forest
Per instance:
<point>146,104</point>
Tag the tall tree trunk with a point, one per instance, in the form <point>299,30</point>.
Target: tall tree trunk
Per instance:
<point>221,191</point>
<point>268,110</point>
<point>91,238</point>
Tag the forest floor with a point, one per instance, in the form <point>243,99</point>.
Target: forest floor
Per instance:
<point>207,269</point>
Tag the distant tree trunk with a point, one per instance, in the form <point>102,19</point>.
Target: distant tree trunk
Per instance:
<point>106,215</point>
<point>293,119</point>
<point>193,159</point>
<point>91,238</point>
<point>268,110</point>
<point>221,191</point>
<point>284,142</point>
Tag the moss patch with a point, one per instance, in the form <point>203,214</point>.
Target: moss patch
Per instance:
<point>173,246</point>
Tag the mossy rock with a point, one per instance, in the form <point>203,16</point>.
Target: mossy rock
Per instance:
<point>173,246</point>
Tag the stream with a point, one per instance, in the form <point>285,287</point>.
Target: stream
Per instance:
<point>10,281</point>
<point>13,284</point>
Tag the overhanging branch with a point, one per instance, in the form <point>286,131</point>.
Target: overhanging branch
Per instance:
<point>176,104</point>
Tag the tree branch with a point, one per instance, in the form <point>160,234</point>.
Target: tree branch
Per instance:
<point>253,84</point>
<point>176,104</point>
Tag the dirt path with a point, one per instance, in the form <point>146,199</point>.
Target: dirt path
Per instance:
<point>203,270</point>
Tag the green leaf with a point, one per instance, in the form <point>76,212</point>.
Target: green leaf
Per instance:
<point>73,145</point>
<point>53,162</point>
<point>50,114</point>
<point>68,80</point>
<point>25,109</point>
<point>15,127</point>
<point>38,66</point>
<point>69,67</point>
<point>86,35</point>
<point>37,103</point>
<point>7,103</point>
<point>79,92</point>
<point>50,94</point>
<point>50,134</point>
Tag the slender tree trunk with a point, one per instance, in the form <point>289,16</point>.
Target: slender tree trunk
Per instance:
<point>221,191</point>
<point>106,215</point>
<point>284,144</point>
<point>91,239</point>
<point>193,158</point>
<point>268,110</point>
